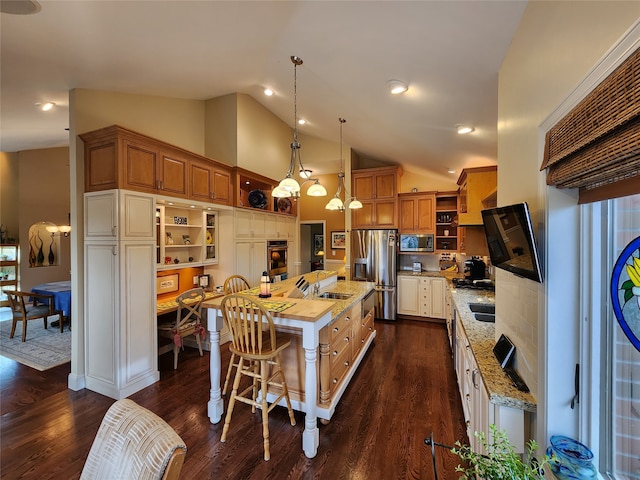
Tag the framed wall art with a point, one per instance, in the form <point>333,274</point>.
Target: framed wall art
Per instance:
<point>338,240</point>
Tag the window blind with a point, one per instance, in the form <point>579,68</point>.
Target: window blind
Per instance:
<point>596,146</point>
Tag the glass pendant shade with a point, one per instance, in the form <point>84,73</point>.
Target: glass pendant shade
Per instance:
<point>280,192</point>
<point>335,204</point>
<point>316,190</point>
<point>289,184</point>
<point>355,204</point>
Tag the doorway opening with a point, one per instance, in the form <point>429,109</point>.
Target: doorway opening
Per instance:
<point>312,245</point>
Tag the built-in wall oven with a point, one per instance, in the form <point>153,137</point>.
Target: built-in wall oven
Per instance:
<point>277,254</point>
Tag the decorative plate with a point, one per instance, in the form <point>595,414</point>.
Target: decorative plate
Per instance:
<point>625,291</point>
<point>257,199</point>
<point>284,205</point>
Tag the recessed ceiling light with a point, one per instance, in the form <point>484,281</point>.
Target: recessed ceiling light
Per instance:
<point>451,170</point>
<point>268,92</point>
<point>45,107</point>
<point>464,129</point>
<point>302,121</point>
<point>396,87</point>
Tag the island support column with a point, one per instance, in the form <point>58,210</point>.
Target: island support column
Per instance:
<point>311,434</point>
<point>215,407</point>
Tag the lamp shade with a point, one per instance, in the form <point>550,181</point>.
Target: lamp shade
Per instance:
<point>355,204</point>
<point>334,204</point>
<point>316,190</point>
<point>280,192</point>
<point>289,184</point>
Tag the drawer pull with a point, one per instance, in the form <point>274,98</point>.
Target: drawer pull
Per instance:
<point>335,353</point>
<point>347,318</point>
<point>346,339</point>
<point>336,329</point>
<point>346,364</point>
<point>335,380</point>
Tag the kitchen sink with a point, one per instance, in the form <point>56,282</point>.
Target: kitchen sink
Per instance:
<point>485,317</point>
<point>335,295</point>
<point>482,308</point>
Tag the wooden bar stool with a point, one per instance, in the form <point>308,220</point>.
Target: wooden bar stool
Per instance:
<point>255,343</point>
<point>233,284</point>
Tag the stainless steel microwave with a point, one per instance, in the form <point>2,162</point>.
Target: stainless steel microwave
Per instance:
<point>416,242</point>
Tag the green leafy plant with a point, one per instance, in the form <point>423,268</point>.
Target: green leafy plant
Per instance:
<point>500,462</point>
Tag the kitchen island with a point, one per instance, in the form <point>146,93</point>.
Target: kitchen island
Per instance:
<point>330,337</point>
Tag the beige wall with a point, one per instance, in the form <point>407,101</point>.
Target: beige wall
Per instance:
<point>221,129</point>
<point>176,121</point>
<point>9,204</point>
<point>554,48</point>
<point>43,195</point>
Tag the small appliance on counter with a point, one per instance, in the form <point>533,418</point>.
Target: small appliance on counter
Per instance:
<point>475,268</point>
<point>417,267</point>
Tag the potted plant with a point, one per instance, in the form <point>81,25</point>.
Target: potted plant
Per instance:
<point>500,462</point>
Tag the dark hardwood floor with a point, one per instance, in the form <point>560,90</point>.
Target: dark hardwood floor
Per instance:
<point>404,390</point>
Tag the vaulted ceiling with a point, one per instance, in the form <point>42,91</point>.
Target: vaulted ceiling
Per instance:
<point>447,52</point>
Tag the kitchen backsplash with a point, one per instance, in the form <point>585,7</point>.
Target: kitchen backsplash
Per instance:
<point>431,262</point>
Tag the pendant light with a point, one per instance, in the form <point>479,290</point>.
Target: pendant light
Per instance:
<point>289,186</point>
<point>336,202</point>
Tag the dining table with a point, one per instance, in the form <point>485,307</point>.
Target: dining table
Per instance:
<point>61,293</point>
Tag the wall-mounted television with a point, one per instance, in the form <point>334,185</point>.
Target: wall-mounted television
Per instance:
<point>512,245</point>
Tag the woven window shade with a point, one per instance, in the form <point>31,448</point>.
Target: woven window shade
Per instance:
<point>597,144</point>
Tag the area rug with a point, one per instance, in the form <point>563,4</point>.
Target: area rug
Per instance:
<point>43,349</point>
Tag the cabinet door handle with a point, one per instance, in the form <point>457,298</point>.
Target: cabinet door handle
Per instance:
<point>335,329</point>
<point>114,250</point>
<point>473,379</point>
<point>335,353</point>
<point>346,364</point>
<point>114,230</point>
<point>346,339</point>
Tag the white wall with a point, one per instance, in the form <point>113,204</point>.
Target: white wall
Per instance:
<point>555,46</point>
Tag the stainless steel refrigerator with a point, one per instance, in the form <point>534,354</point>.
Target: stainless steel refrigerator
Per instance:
<point>373,259</point>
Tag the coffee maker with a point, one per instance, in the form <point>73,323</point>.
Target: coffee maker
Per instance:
<point>475,269</point>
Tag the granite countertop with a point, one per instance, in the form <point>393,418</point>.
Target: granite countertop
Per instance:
<point>309,306</point>
<point>481,336</point>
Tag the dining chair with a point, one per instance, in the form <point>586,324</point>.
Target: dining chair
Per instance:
<point>188,322</point>
<point>257,345</point>
<point>233,284</point>
<point>23,311</point>
<point>133,442</point>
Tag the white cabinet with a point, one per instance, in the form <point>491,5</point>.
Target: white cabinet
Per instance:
<point>421,296</point>
<point>249,224</point>
<point>432,297</point>
<point>408,295</point>
<point>479,411</point>
<point>251,258</point>
<point>119,293</point>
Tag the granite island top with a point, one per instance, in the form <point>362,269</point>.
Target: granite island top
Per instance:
<point>311,307</point>
<point>481,336</point>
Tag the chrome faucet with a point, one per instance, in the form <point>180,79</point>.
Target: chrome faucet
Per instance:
<point>316,287</point>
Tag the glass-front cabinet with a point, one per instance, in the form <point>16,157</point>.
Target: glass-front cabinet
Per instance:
<point>186,236</point>
<point>8,270</point>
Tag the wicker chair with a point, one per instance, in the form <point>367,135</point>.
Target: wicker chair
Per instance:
<point>254,341</point>
<point>233,284</point>
<point>188,321</point>
<point>133,442</point>
<point>23,311</point>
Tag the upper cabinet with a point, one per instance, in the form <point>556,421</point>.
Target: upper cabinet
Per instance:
<point>475,185</point>
<point>416,212</point>
<point>377,189</point>
<point>119,158</point>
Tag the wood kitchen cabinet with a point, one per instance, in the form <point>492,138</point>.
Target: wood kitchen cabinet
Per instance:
<point>446,225</point>
<point>208,182</point>
<point>416,212</point>
<point>475,185</point>
<point>119,158</point>
<point>377,189</point>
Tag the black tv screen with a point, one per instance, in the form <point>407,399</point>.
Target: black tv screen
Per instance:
<point>512,245</point>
